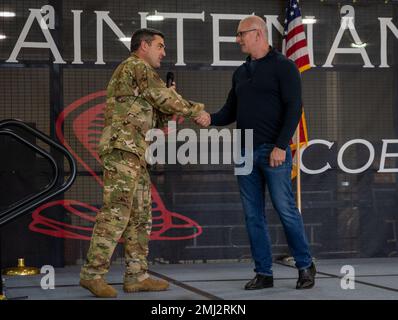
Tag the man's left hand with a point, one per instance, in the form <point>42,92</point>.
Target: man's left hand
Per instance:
<point>277,157</point>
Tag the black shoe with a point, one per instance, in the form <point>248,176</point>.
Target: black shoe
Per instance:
<point>306,278</point>
<point>260,282</point>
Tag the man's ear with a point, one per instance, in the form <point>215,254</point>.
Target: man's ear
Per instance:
<point>260,33</point>
<point>144,46</point>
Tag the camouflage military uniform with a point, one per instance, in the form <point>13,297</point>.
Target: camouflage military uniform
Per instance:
<point>137,100</point>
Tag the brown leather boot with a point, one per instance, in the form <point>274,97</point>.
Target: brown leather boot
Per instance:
<point>99,288</point>
<point>148,284</point>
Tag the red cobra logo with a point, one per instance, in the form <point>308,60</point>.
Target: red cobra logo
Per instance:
<point>87,128</point>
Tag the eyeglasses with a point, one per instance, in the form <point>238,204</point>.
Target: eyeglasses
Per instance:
<point>241,33</point>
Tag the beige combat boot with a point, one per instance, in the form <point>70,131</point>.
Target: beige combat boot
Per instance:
<point>148,284</point>
<point>99,288</point>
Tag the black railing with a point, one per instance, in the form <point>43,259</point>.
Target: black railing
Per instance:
<point>16,209</point>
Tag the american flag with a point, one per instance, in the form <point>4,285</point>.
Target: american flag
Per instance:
<point>295,48</point>
<point>294,40</point>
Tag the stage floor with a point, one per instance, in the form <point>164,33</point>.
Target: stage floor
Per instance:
<point>374,279</point>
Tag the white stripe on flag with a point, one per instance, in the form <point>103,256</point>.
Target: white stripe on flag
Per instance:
<point>298,54</point>
<point>296,38</point>
<point>293,24</point>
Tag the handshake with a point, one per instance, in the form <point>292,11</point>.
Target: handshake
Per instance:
<point>203,119</point>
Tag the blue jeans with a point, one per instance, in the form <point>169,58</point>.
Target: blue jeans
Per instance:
<point>252,192</point>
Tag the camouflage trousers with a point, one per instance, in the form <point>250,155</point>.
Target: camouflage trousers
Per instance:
<point>126,213</point>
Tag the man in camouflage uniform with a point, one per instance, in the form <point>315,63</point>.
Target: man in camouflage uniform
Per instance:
<point>137,101</point>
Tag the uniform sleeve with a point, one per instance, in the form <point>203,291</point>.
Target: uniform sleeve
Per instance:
<point>121,93</point>
<point>164,99</point>
<point>162,119</point>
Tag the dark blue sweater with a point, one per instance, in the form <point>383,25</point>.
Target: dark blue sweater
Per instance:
<point>266,98</point>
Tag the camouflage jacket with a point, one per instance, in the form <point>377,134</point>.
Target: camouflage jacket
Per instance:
<point>137,101</point>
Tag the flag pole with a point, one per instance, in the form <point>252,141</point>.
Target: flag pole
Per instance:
<point>298,178</point>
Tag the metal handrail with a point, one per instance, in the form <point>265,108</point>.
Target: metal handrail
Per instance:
<point>48,187</point>
<point>22,206</point>
<point>34,201</point>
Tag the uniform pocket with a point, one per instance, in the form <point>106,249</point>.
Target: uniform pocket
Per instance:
<point>121,172</point>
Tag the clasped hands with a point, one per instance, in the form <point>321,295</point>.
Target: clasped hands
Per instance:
<point>203,119</point>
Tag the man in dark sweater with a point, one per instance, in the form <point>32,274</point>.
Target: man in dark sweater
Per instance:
<point>266,97</point>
